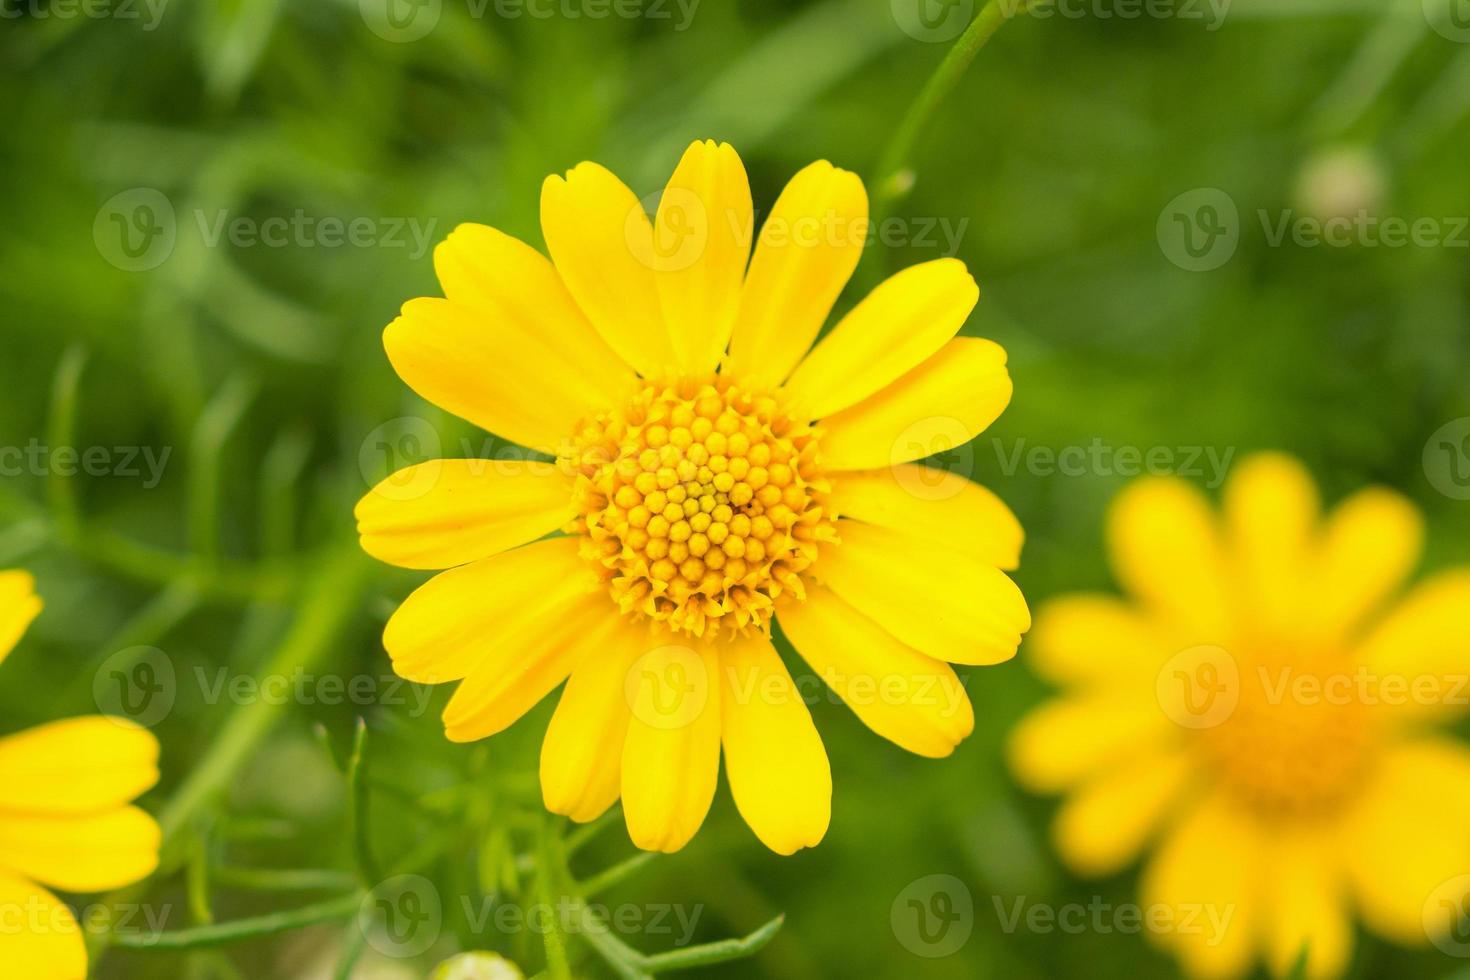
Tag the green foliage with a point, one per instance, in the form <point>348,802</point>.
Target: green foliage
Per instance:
<point>258,371</point>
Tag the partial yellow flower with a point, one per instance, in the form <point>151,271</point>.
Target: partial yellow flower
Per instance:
<point>1264,704</point>
<point>65,821</point>
<point>710,476</point>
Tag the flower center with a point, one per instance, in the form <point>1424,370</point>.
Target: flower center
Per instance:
<point>700,502</point>
<point>1296,743</point>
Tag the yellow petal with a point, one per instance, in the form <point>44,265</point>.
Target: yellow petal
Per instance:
<point>807,250</point>
<point>601,240</point>
<point>1271,513</point>
<point>938,506</point>
<point>1085,638</point>
<point>1166,550</point>
<point>1306,909</point>
<point>914,701</point>
<point>1419,654</point>
<point>447,512</point>
<point>581,757</point>
<point>81,853</point>
<point>456,619</point>
<point>41,939</point>
<point>19,605</point>
<point>949,605</point>
<point>1371,543</point>
<point>521,302</point>
<point>1406,836</point>
<point>943,403</point>
<point>898,326</point>
<point>701,235</point>
<point>458,359</point>
<point>1102,826</point>
<point>1080,736</point>
<point>774,759</point>
<point>526,663</point>
<point>671,757</point>
<point>1207,875</point>
<point>80,765</point>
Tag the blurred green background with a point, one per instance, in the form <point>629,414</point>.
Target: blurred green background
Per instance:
<point>256,364</point>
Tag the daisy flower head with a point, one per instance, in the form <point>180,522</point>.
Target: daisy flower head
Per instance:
<point>65,818</point>
<point>705,473</point>
<point>1262,708</point>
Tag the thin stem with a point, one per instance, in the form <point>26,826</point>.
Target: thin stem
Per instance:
<point>229,932</point>
<point>551,863</point>
<point>357,807</point>
<point>325,611</point>
<point>283,880</point>
<point>61,491</point>
<point>894,178</point>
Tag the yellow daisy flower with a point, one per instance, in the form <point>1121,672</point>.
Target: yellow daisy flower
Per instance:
<point>65,821</point>
<point>710,476</point>
<point>1265,708</point>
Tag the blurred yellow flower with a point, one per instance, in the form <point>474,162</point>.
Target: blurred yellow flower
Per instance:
<point>65,821</point>
<point>1263,704</point>
<point>710,476</point>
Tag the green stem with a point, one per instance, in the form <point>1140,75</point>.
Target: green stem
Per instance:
<point>61,491</point>
<point>326,610</point>
<point>894,177</point>
<point>551,862</point>
<point>357,807</point>
<point>283,880</point>
<point>230,932</point>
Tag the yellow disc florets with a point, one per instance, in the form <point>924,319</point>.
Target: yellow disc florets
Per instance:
<point>1292,749</point>
<point>700,502</point>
